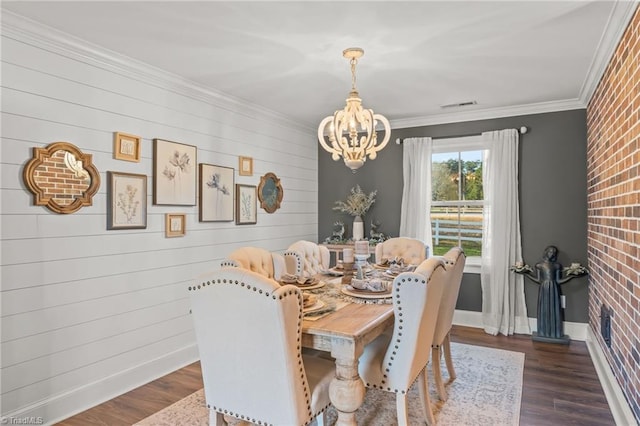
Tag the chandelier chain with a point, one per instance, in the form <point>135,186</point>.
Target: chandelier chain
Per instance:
<point>353,61</point>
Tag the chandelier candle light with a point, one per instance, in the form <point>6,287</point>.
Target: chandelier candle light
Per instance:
<point>351,132</point>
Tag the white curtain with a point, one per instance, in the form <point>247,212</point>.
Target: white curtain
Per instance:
<point>416,194</point>
<point>503,304</point>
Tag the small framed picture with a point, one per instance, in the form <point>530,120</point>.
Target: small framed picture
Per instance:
<point>216,193</point>
<point>126,147</point>
<point>174,173</point>
<point>245,168</point>
<point>126,201</point>
<point>246,204</point>
<point>175,224</point>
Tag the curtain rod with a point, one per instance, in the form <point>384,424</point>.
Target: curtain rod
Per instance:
<point>523,130</point>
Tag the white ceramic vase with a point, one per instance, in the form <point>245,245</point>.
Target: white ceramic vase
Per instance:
<point>358,228</point>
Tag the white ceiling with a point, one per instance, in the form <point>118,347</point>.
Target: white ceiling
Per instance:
<point>509,56</point>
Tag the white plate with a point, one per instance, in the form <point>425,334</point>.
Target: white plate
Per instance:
<point>316,306</point>
<point>390,274</point>
<point>315,285</point>
<point>335,272</point>
<point>366,294</point>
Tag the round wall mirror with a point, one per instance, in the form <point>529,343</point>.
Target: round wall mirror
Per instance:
<point>61,177</point>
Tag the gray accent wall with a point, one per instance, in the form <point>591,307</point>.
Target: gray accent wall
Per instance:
<point>553,195</point>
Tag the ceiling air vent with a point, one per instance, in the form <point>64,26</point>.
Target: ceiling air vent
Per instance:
<point>459,104</point>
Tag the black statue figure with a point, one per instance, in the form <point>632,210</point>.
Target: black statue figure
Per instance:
<point>550,274</point>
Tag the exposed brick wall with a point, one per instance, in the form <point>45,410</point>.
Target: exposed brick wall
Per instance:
<point>613,173</point>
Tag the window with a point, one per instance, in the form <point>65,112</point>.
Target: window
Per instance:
<point>457,196</point>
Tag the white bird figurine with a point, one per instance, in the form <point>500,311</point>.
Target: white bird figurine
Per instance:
<point>75,166</point>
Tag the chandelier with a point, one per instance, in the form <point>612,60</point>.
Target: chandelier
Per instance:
<point>351,132</point>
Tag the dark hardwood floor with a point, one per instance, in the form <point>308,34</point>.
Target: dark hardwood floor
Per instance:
<point>560,383</point>
<point>560,386</point>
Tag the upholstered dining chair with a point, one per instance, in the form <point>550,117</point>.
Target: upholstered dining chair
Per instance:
<point>248,330</point>
<point>455,260</point>
<point>257,259</point>
<point>306,258</point>
<point>394,361</point>
<point>411,250</point>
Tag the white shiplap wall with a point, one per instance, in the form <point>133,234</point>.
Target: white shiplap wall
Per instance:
<point>87,313</point>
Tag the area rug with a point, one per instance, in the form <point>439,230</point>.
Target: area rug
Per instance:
<point>487,391</point>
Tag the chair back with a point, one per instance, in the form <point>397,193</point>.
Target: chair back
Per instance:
<point>248,329</point>
<point>306,258</point>
<point>256,259</point>
<point>416,299</point>
<point>411,250</point>
<point>454,264</point>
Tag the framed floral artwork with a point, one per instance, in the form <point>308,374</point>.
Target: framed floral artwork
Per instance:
<point>216,193</point>
<point>175,225</point>
<point>127,147</point>
<point>174,173</point>
<point>246,204</point>
<point>126,201</point>
<point>245,166</point>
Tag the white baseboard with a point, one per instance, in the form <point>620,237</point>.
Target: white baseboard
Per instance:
<point>620,409</point>
<point>467,318</point>
<point>60,407</point>
<point>575,330</point>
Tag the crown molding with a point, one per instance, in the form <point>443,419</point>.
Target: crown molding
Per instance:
<point>621,14</point>
<point>617,23</point>
<point>37,34</point>
<point>34,33</point>
<point>488,113</point>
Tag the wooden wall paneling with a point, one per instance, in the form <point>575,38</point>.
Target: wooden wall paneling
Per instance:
<point>46,320</point>
<point>69,292</point>
<point>61,110</point>
<point>68,381</point>
<point>39,273</point>
<point>213,110</point>
<point>35,346</point>
<point>88,313</point>
<point>56,363</point>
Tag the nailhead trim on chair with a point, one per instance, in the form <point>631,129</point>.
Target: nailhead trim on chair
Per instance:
<point>291,292</point>
<point>400,320</point>
<point>225,263</point>
<point>298,260</point>
<point>307,255</point>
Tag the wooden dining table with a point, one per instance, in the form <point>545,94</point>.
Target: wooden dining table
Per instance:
<point>344,333</point>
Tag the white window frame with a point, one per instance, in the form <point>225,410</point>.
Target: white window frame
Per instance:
<point>473,264</point>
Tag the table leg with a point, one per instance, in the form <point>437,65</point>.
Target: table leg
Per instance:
<point>347,389</point>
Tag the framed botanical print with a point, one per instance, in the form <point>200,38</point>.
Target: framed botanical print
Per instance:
<point>126,201</point>
<point>245,166</point>
<point>270,192</point>
<point>174,173</point>
<point>216,193</point>
<point>126,147</point>
<point>175,225</point>
<point>246,205</point>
